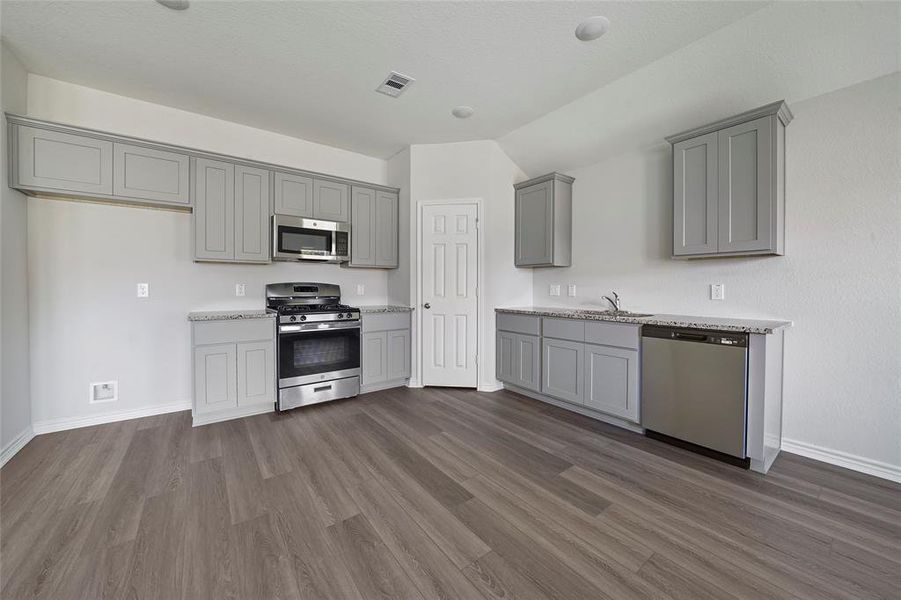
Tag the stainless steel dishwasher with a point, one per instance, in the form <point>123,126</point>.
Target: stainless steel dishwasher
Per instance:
<point>694,389</point>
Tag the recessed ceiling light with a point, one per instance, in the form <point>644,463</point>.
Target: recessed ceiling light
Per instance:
<point>175,4</point>
<point>463,112</point>
<point>592,28</point>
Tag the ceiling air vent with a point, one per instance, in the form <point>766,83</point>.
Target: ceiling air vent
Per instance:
<point>394,84</point>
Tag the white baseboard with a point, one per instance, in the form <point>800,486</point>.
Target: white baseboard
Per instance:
<point>844,459</point>
<point>491,387</point>
<point>17,444</point>
<point>51,425</point>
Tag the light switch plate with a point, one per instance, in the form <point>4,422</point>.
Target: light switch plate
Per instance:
<point>143,290</point>
<point>361,289</point>
<point>571,290</point>
<point>717,291</point>
<point>554,289</point>
<point>240,289</point>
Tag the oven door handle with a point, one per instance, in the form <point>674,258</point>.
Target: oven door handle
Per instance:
<point>319,326</point>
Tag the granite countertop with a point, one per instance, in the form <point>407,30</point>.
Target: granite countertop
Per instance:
<point>710,323</point>
<point>229,315</point>
<point>383,308</point>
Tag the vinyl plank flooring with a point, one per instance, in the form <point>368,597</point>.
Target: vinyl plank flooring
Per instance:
<point>430,493</point>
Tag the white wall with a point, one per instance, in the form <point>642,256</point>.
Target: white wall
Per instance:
<point>15,402</point>
<point>475,170</point>
<point>840,280</point>
<point>85,259</point>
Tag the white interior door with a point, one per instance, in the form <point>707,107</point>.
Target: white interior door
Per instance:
<point>449,262</point>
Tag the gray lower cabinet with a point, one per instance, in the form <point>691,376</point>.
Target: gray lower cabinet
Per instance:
<point>543,222</point>
<point>385,350</point>
<point>234,368</point>
<point>373,229</point>
<point>251,214</point>
<point>293,195</point>
<point>562,365</point>
<point>148,174</point>
<point>729,185</point>
<point>519,360</point>
<point>60,162</point>
<point>611,380</point>
<point>331,200</point>
<point>231,212</point>
<point>214,210</point>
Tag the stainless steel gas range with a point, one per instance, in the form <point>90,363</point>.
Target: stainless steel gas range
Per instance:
<point>318,349</point>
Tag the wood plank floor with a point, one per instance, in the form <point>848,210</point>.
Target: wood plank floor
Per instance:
<point>434,493</point>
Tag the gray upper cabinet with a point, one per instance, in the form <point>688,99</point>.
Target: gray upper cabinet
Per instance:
<point>148,174</point>
<point>695,196</point>
<point>214,210</point>
<point>293,195</point>
<point>729,185</point>
<point>385,229</point>
<point>543,222</point>
<point>62,162</point>
<point>251,214</point>
<point>373,228</point>
<point>331,200</point>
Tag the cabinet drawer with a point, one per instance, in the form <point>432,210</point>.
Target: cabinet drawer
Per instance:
<point>232,331</point>
<point>518,323</point>
<point>623,335</point>
<point>563,329</point>
<point>385,321</point>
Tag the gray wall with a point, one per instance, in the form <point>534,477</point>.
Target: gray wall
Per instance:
<point>839,281</point>
<point>15,401</point>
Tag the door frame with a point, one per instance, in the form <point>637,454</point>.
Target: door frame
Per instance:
<point>480,281</point>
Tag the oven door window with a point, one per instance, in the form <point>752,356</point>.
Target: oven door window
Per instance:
<point>313,352</point>
<point>295,240</point>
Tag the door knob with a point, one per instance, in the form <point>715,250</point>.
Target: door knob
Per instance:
<point>427,305</point>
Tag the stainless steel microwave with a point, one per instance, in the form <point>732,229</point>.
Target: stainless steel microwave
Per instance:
<point>299,238</point>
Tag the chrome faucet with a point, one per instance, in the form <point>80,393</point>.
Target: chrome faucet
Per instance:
<point>613,301</point>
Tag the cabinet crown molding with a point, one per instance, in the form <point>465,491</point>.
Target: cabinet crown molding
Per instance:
<point>555,176</point>
<point>780,109</point>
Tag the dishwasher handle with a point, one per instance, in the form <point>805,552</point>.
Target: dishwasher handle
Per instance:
<point>693,337</point>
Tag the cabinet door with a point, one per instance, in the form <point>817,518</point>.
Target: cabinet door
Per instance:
<point>563,363</point>
<point>293,195</point>
<point>256,373</point>
<point>65,162</point>
<point>149,174</point>
<point>527,356</point>
<point>385,229</point>
<point>746,190</point>
<point>374,358</point>
<point>611,381</point>
<point>534,239</point>
<point>330,201</point>
<point>398,350</point>
<point>505,358</point>
<point>214,210</point>
<point>695,196</point>
<point>251,214</point>
<point>362,227</point>
<point>215,378</point>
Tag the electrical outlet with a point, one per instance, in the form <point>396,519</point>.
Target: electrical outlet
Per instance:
<point>240,289</point>
<point>143,290</point>
<point>571,290</point>
<point>717,291</point>
<point>105,391</point>
<point>554,289</point>
<point>361,289</point>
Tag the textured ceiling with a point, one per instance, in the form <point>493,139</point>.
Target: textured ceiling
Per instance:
<point>308,69</point>
<point>788,50</point>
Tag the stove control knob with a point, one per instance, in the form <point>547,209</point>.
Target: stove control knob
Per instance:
<point>349,315</point>
<point>293,318</point>
<point>340,316</point>
<point>303,317</point>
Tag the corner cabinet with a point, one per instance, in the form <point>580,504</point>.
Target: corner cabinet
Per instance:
<point>373,228</point>
<point>729,185</point>
<point>234,368</point>
<point>385,350</point>
<point>543,222</point>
